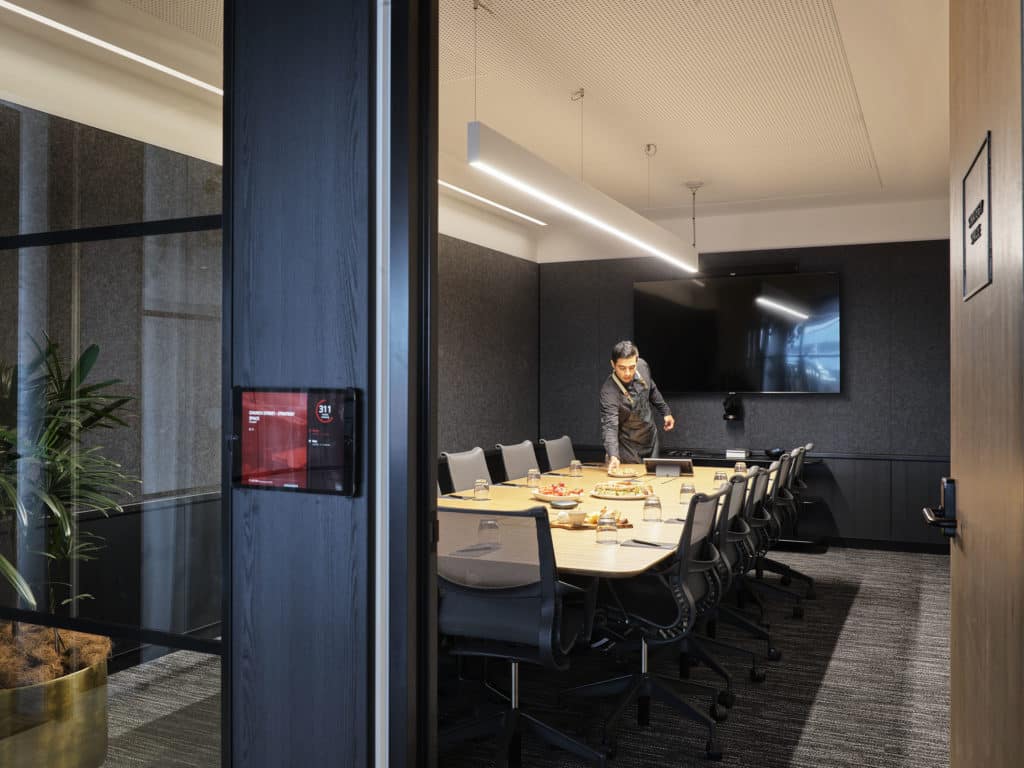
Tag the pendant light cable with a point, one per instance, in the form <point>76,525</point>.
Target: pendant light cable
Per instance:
<point>650,150</point>
<point>693,186</point>
<point>477,5</point>
<point>577,95</point>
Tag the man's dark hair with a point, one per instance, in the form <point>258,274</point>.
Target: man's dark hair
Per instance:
<point>623,350</point>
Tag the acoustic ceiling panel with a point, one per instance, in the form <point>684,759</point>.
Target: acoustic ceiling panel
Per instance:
<point>756,98</point>
<point>201,18</point>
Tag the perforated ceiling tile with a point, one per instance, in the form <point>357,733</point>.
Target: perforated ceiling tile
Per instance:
<point>202,18</point>
<point>757,98</point>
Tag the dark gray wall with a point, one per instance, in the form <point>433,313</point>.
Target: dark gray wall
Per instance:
<point>487,346</point>
<point>895,354</point>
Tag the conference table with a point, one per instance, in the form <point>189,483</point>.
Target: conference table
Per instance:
<point>577,551</point>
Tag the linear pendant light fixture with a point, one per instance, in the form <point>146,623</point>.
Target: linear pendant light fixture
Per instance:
<point>488,201</point>
<point>499,157</point>
<point>115,49</point>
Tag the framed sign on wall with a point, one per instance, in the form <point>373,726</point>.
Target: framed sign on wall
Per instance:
<point>977,221</point>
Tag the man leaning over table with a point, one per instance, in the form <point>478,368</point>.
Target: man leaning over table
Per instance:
<point>629,398</point>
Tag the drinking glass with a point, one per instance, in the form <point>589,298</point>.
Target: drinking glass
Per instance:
<point>533,478</point>
<point>488,533</point>
<point>686,491</point>
<point>481,490</point>
<point>652,509</point>
<point>607,529</point>
<point>575,468</point>
<point>721,476</point>
<point>741,466</point>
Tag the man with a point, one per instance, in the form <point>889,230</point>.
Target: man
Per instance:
<point>627,421</point>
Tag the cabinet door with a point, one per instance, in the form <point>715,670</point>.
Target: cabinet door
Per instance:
<point>857,492</point>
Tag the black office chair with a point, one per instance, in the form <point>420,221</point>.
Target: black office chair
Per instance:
<point>773,514</point>
<point>654,609</point>
<point>714,574</point>
<point>785,501</point>
<point>500,598</point>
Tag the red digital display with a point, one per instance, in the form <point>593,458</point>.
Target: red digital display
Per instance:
<point>275,439</point>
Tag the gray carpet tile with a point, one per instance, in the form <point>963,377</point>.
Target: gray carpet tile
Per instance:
<point>165,713</point>
<point>864,681</point>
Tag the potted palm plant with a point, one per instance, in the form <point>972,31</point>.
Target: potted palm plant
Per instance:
<point>53,682</point>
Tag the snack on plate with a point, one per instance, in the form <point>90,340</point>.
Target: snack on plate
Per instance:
<point>559,489</point>
<point>593,517</point>
<point>623,472</point>
<point>623,490</point>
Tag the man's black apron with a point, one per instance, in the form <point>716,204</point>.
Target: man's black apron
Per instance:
<point>638,437</point>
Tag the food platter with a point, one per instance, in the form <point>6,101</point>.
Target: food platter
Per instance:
<point>557,492</point>
<point>623,472</point>
<point>622,491</point>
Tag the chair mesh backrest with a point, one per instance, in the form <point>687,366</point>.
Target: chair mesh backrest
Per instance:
<point>782,476</point>
<point>732,505</point>
<point>491,549</point>
<point>518,459</point>
<point>758,490</point>
<point>797,470</point>
<point>700,518</point>
<point>466,467</point>
<point>560,453</point>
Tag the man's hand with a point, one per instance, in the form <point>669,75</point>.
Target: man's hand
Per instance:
<point>669,423</point>
<point>613,462</point>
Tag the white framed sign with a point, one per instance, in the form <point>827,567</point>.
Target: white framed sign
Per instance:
<point>977,221</point>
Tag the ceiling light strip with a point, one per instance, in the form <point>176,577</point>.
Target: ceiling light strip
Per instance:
<point>503,159</point>
<point>115,49</point>
<point>780,307</point>
<point>499,206</point>
<point>577,213</point>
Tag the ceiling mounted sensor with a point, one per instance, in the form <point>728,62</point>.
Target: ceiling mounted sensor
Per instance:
<point>499,157</point>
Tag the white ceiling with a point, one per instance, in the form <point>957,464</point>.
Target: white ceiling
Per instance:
<point>773,104</point>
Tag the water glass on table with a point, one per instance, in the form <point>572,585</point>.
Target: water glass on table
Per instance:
<point>686,491</point>
<point>721,476</point>
<point>652,510</point>
<point>488,533</point>
<point>607,529</point>
<point>741,466</point>
<point>481,490</point>
<point>533,478</point>
<point>575,468</point>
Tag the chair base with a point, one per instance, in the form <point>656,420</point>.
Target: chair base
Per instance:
<point>509,726</point>
<point>640,688</point>
<point>788,573</point>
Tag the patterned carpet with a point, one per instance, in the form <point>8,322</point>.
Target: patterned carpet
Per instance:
<point>864,681</point>
<point>165,713</point>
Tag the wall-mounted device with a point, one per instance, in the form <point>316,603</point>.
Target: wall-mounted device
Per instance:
<point>732,407</point>
<point>944,517</point>
<point>296,440</point>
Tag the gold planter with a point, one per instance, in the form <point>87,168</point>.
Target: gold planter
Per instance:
<point>58,724</point>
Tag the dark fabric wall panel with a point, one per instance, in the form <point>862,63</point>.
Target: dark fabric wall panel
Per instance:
<point>488,362</point>
<point>895,340</point>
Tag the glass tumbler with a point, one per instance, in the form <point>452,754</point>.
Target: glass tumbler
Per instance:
<point>533,478</point>
<point>741,466</point>
<point>607,530</point>
<point>489,533</point>
<point>721,476</point>
<point>481,490</point>
<point>575,468</point>
<point>686,491</point>
<point>652,509</point>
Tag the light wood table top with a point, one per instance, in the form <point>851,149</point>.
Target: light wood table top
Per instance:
<point>577,551</point>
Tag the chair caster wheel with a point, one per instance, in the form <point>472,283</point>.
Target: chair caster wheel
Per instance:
<point>712,750</point>
<point>811,594</point>
<point>774,654</point>
<point>798,611</point>
<point>717,714</point>
<point>757,675</point>
<point>727,699</point>
<point>785,581</point>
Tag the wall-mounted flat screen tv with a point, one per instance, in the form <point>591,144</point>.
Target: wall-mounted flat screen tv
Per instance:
<point>747,333</point>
